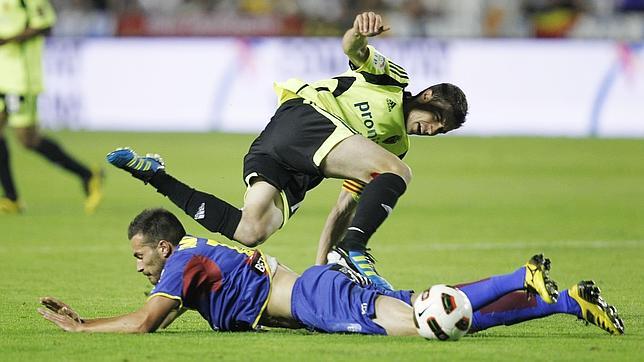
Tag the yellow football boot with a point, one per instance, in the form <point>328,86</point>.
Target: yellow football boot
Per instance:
<point>594,309</point>
<point>537,279</point>
<point>94,191</point>
<point>8,206</point>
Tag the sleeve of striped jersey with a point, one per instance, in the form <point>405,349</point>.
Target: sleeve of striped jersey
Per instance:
<point>379,65</point>
<point>171,283</point>
<point>354,188</point>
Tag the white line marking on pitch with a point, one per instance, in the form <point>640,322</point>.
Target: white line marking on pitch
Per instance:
<point>561,244</point>
<point>567,244</point>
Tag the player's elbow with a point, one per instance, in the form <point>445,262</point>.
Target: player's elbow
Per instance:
<point>148,323</point>
<point>146,327</point>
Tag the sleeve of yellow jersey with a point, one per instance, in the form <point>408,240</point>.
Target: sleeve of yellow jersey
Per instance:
<point>41,14</point>
<point>380,66</point>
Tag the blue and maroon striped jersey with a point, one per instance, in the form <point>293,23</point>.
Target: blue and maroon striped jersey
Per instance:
<point>227,285</point>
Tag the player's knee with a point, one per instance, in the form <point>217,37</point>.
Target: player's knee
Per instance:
<point>28,143</point>
<point>252,237</point>
<point>253,232</point>
<point>29,140</point>
<point>399,168</point>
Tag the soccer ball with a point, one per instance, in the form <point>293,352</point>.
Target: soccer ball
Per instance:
<point>442,312</point>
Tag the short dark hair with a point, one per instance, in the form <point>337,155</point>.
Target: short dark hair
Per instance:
<point>449,101</point>
<point>157,224</point>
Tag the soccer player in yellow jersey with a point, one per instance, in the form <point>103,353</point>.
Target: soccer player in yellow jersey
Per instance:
<point>23,26</point>
<point>354,126</point>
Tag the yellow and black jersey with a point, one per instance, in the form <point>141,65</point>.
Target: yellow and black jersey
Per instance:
<point>21,63</point>
<point>367,98</point>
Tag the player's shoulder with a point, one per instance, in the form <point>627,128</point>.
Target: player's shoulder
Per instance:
<point>378,69</point>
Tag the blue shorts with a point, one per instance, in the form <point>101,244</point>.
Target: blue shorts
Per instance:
<point>326,299</point>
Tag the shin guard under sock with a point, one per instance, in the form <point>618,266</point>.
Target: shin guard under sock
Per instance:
<point>211,212</point>
<point>376,203</point>
<point>484,292</point>
<point>6,179</point>
<point>515,308</point>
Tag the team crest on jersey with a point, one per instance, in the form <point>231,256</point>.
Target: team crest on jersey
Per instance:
<point>393,139</point>
<point>379,61</point>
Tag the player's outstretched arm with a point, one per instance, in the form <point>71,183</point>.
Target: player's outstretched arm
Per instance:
<point>336,224</point>
<point>174,314</point>
<point>354,42</point>
<point>149,318</point>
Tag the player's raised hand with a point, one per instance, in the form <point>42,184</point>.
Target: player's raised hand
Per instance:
<point>369,24</point>
<point>61,308</point>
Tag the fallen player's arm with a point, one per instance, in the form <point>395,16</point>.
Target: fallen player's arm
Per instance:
<point>174,314</point>
<point>354,42</point>
<point>149,318</point>
<point>336,224</point>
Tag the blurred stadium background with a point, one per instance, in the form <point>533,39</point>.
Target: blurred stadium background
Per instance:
<point>187,65</point>
<point>550,159</point>
<point>614,19</point>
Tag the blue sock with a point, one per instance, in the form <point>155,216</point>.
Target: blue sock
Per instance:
<point>515,308</point>
<point>488,290</point>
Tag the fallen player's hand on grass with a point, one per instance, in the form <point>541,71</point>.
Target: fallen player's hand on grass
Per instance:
<point>60,307</point>
<point>63,321</point>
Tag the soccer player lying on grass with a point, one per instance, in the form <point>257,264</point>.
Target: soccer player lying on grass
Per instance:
<point>239,289</point>
<point>355,127</point>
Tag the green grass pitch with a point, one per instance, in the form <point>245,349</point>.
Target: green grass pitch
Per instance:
<point>476,207</point>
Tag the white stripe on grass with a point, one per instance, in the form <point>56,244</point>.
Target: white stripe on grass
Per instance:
<point>563,244</point>
<point>516,245</point>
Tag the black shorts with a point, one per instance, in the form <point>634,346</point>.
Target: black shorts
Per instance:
<point>285,153</point>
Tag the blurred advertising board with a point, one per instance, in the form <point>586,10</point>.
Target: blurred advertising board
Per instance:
<point>514,87</point>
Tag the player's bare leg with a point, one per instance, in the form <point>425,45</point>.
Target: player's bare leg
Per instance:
<point>395,316</point>
<point>91,180</point>
<point>262,214</point>
<point>358,158</point>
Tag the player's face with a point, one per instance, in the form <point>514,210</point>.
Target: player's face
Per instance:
<point>149,260</point>
<point>424,123</point>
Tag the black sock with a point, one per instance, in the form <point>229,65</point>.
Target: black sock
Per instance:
<point>376,202</point>
<point>54,153</point>
<point>211,212</point>
<point>6,180</point>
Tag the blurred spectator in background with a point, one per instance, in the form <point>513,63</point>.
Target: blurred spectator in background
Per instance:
<point>553,18</point>
<point>23,27</point>
<point>630,5</point>
<point>622,19</point>
<point>84,17</point>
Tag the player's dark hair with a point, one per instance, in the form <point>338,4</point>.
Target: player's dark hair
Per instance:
<point>448,101</point>
<point>157,224</point>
